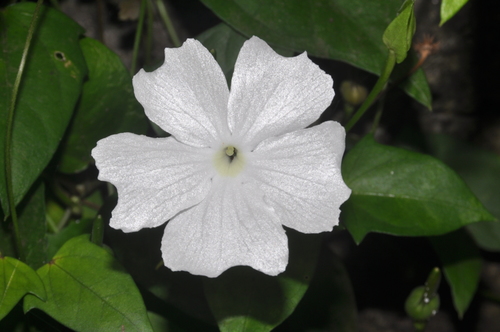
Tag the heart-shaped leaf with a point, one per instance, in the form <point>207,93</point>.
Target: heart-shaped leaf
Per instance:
<point>88,290</point>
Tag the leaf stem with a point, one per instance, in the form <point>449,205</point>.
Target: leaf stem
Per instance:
<point>379,86</point>
<point>10,130</point>
<point>138,33</point>
<point>162,10</point>
<point>378,115</point>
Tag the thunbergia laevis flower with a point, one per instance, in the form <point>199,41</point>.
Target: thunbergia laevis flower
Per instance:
<point>239,164</point>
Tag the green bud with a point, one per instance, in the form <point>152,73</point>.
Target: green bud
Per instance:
<point>399,34</point>
<point>420,306</point>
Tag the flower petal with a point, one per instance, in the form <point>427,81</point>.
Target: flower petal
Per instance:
<point>232,226</point>
<point>300,174</point>
<point>156,178</point>
<point>187,96</point>
<point>272,95</point>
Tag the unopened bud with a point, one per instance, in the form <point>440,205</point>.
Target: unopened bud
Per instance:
<point>419,306</point>
<point>353,93</point>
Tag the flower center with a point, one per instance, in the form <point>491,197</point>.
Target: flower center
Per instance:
<point>229,161</point>
<point>231,152</point>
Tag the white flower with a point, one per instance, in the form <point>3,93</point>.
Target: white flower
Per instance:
<point>239,165</point>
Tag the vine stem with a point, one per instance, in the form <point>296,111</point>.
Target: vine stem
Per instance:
<point>379,86</point>
<point>378,115</point>
<point>162,10</point>
<point>137,40</point>
<point>149,31</point>
<point>10,127</point>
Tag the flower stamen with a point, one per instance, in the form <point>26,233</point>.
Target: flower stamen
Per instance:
<point>231,152</point>
<point>229,161</point>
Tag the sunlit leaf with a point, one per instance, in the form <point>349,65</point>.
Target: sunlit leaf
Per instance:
<point>449,8</point>
<point>16,280</point>
<point>462,265</point>
<point>345,30</point>
<point>243,299</point>
<point>107,106</point>
<point>400,192</point>
<point>87,290</point>
<point>49,90</point>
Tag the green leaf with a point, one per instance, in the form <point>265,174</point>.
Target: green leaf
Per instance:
<point>449,8</point>
<point>7,245</point>
<point>178,296</point>
<point>33,228</point>
<point>345,30</point>
<point>107,106</point>
<point>16,280</point>
<point>73,229</point>
<point>329,303</point>
<point>48,93</point>
<point>415,85</point>
<point>400,192</point>
<point>87,290</point>
<point>243,299</point>
<point>486,234</point>
<point>480,169</point>
<point>399,34</point>
<point>462,265</point>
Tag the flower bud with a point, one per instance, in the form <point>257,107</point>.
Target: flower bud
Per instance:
<point>353,93</point>
<point>420,306</point>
